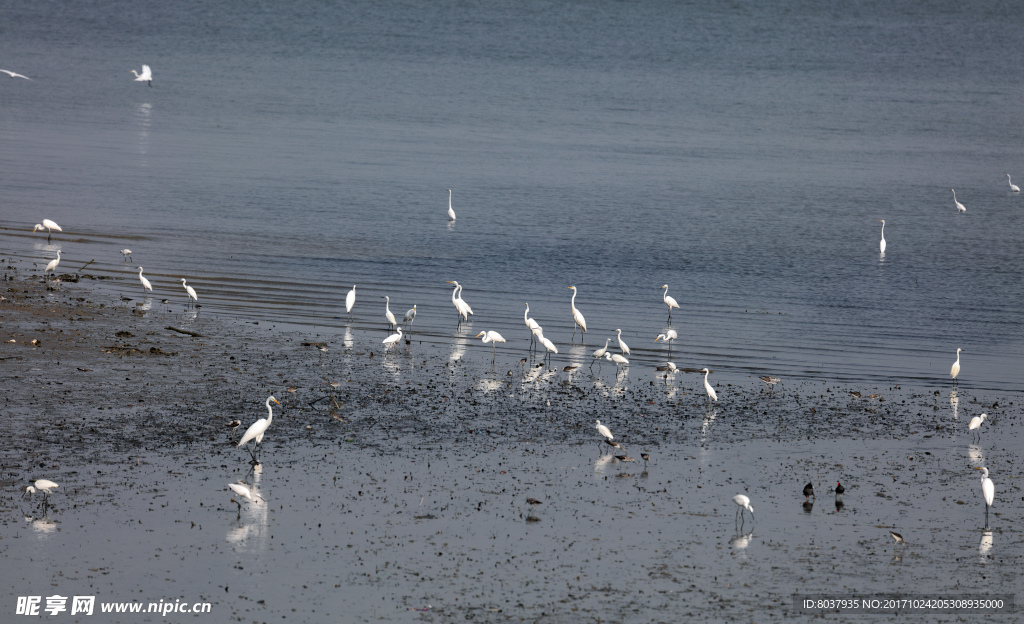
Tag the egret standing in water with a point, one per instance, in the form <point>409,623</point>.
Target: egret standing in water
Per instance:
<point>41,485</point>
<point>743,502</point>
<point>257,429</point>
<point>192,296</point>
<point>145,283</point>
<point>391,341</point>
<point>127,253</point>
<point>975,426</point>
<point>668,337</point>
<point>669,301</point>
<point>243,491</point>
<point>955,370</point>
<point>531,324</point>
<point>577,316</point>
<point>451,213</point>
<point>1013,187</point>
<point>146,75</point>
<point>600,353</point>
<point>52,266</point>
<point>881,244</point>
<point>622,345</point>
<point>549,347</point>
<point>350,300</point>
<point>47,225</point>
<point>960,207</point>
<point>988,489</point>
<point>618,359</point>
<point>711,391</point>
<point>387,312</point>
<point>409,317</point>
<point>492,337</point>
<point>604,431</point>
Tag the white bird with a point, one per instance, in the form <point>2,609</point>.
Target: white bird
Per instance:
<point>668,337</point>
<point>622,345</point>
<point>350,299</point>
<point>531,324</point>
<point>615,357</point>
<point>52,266</point>
<point>711,391</point>
<point>975,423</point>
<point>41,485</point>
<point>605,431</point>
<point>145,283</point>
<point>577,317</point>
<point>955,370</point>
<point>451,213</point>
<point>461,307</point>
<point>191,291</point>
<point>392,340</point>
<point>258,428</point>
<point>881,245</point>
<point>47,225</point>
<point>14,75</point>
<point>598,354</point>
<point>492,337</point>
<point>669,301</point>
<point>242,490</point>
<point>548,345</point>
<point>387,311</point>
<point>127,253</point>
<point>959,206</point>
<point>410,316</point>
<point>146,75</point>
<point>1013,187</point>
<point>743,502</point>
<point>988,489</point>
<point>463,303</point>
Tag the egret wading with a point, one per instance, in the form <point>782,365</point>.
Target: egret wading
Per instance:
<point>257,429</point>
<point>604,431</point>
<point>577,317</point>
<point>461,307</point>
<point>531,324</point>
<point>47,225</point>
<point>960,207</point>
<point>598,354</point>
<point>146,75</point>
<point>492,337</point>
<point>669,301</point>
<point>988,489</point>
<point>350,300</point>
<point>618,359</point>
<point>549,347</point>
<point>707,387</point>
<point>881,244</point>
<point>41,485</point>
<point>192,296</point>
<point>409,317</point>
<point>52,266</point>
<point>1013,187</point>
<point>955,370</point>
<point>451,213</point>
<point>669,337</point>
<point>146,286</point>
<point>975,425</point>
<point>391,341</point>
<point>622,345</point>
<point>243,491</point>
<point>743,502</point>
<point>127,253</point>
<point>387,312</point>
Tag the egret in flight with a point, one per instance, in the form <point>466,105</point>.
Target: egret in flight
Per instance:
<point>257,429</point>
<point>669,301</point>
<point>955,370</point>
<point>17,75</point>
<point>960,207</point>
<point>622,345</point>
<point>577,317</point>
<point>52,266</point>
<point>387,312</point>
<point>988,489</point>
<point>350,300</point>
<point>145,283</point>
<point>47,225</point>
<point>146,75</point>
<point>711,391</point>
<point>1013,187</point>
<point>743,502</point>
<point>192,296</point>
<point>492,337</point>
<point>881,245</point>
<point>451,213</point>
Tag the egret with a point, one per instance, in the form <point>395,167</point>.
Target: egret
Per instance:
<point>461,307</point>
<point>387,312</point>
<point>451,213</point>
<point>548,345</point>
<point>1013,187</point>
<point>492,337</point>
<point>17,75</point>
<point>955,370</point>
<point>669,336</point>
<point>897,539</point>
<point>881,245</point>
<point>192,296</point>
<point>127,253</point>
<point>670,367</point>
<point>604,431</point>
<point>615,357</point>
<point>600,353</point>
<point>52,266</point>
<point>409,317</point>
<point>622,345</point>
<point>960,207</point>
<point>241,489</point>
<point>41,485</point>
<point>530,323</point>
<point>988,489</point>
<point>839,489</point>
<point>743,502</point>
<point>47,225</point>
<point>146,75</point>
<point>257,429</point>
<point>808,491</point>
<point>350,299</point>
<point>669,301</point>
<point>577,317</point>
<point>392,340</point>
<point>462,302</point>
<point>975,424</point>
<point>145,283</point>
<point>711,391</point>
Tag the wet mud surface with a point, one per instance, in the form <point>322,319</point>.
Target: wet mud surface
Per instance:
<point>400,492</point>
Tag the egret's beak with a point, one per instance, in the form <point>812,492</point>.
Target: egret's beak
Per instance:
<point>976,468</point>
<point>276,401</point>
<point>656,339</point>
<point>449,282</point>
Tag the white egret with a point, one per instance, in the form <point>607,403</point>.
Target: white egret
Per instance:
<point>451,213</point>
<point>955,370</point>
<point>127,253</point>
<point>531,324</point>
<point>387,312</point>
<point>41,485</point>
<point>622,345</point>
<point>47,225</point>
<point>392,340</point>
<point>492,337</point>
<point>600,353</point>
<point>409,317</point>
<point>243,491</point>
<point>604,431</point>
<point>881,245</point>
<point>615,357</point>
<point>975,424</point>
<point>192,296</point>
<point>350,300</point>
<point>462,302</point>
<point>669,301</point>
<point>743,502</point>
<point>577,317</point>
<point>14,74</point>
<point>257,429</point>
<point>145,283</point>
<point>669,337</point>
<point>461,307</point>
<point>52,266</point>
<point>960,207</point>
<point>711,391</point>
<point>548,345</point>
<point>146,75</point>
<point>988,489</point>
<point>1013,187</point>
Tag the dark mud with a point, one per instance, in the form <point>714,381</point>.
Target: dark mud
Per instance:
<point>400,492</point>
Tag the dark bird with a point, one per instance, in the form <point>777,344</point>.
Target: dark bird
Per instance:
<point>534,501</point>
<point>624,458</point>
<point>233,424</point>
<point>896,538</point>
<point>808,490</point>
<point>646,457</point>
<point>839,489</point>
<point>613,444</point>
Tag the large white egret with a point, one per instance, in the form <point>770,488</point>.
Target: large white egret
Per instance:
<point>669,337</point>
<point>409,317</point>
<point>257,429</point>
<point>707,387</point>
<point>548,345</point>
<point>387,312</point>
<point>960,207</point>
<point>146,75</point>
<point>669,301</point>
<point>743,502</point>
<point>955,370</point>
<point>492,337</point>
<point>461,307</point>
<point>600,353</point>
<point>531,324</point>
<point>392,340</point>
<point>988,489</point>
<point>17,75</point>
<point>622,345</point>
<point>145,283</point>
<point>192,296</point>
<point>463,303</point>
<point>451,213</point>
<point>52,266</point>
<point>47,225</point>
<point>1013,187</point>
<point>881,244</point>
<point>577,317</point>
<point>350,299</point>
<point>975,424</point>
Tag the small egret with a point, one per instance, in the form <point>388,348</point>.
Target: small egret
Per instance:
<point>839,489</point>
<point>809,491</point>
<point>145,283</point>
<point>492,337</point>
<point>960,207</point>
<point>604,431</point>
<point>669,301</point>
<point>1013,187</point>
<point>577,316</point>
<point>258,428</point>
<point>451,213</point>
<point>743,502</point>
<point>955,370</point>
<point>881,245</point>
<point>597,355</point>
<point>350,299</point>
<point>17,75</point>
<point>531,324</point>
<point>146,75</point>
<point>387,312</point>
<point>975,425</point>
<point>41,485</point>
<point>615,357</point>
<point>897,539</point>
<point>711,391</point>
<point>669,337</point>
<point>392,340</point>
<point>192,296</point>
<point>52,266</point>
<point>622,345</point>
<point>127,253</point>
<point>988,489</point>
<point>409,317</point>
<point>47,225</point>
<point>243,491</point>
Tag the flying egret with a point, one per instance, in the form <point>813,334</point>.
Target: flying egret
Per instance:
<point>350,300</point>
<point>192,296</point>
<point>809,491</point>
<point>743,502</point>
<point>975,425</point>
<point>492,337</point>
<point>257,429</point>
<point>881,245</point>
<point>960,207</point>
<point>839,489</point>
<point>387,312</point>
<point>127,253</point>
<point>145,283</point>
<point>669,301</point>
<point>52,266</point>
<point>955,370</point>
<point>17,75</point>
<point>711,391</point>
<point>47,225</point>
<point>600,353</point>
<point>146,75</point>
<point>577,317</point>
<point>988,489</point>
<point>41,485</point>
<point>669,336</point>
<point>530,323</point>
<point>1013,187</point>
<point>451,213</point>
<point>392,340</point>
<point>618,359</point>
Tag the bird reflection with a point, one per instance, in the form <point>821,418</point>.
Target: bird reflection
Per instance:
<point>985,546</point>
<point>142,116</point>
<point>709,419</point>
<point>839,504</point>
<point>809,505</point>
<point>602,463</point>
<point>42,525</point>
<point>740,542</point>
<point>249,530</point>
<point>347,338</point>
<point>489,385</point>
<point>976,455</point>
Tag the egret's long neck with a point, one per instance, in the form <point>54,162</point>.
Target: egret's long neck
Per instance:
<point>883,230</point>
<point>574,298</point>
<point>270,413</point>
<point>449,200</point>
<point>527,313</point>
<point>664,295</point>
<point>456,289</point>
